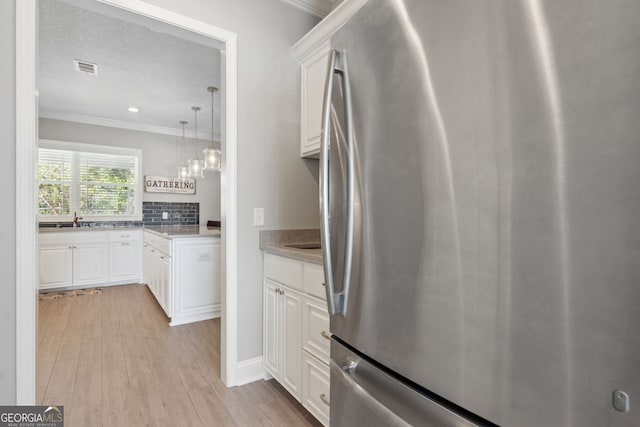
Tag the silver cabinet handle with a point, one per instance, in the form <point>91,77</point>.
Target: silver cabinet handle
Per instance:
<point>325,335</point>
<point>124,235</point>
<point>125,243</point>
<point>336,302</point>
<point>324,399</point>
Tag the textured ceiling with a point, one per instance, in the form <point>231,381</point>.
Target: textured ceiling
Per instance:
<point>161,69</point>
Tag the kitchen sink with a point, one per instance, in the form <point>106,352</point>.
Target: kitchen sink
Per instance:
<point>313,245</point>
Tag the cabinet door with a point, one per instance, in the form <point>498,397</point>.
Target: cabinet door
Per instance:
<point>316,338</point>
<point>90,264</point>
<point>314,74</point>
<point>146,265</point>
<point>316,388</point>
<point>271,326</point>
<point>291,306</point>
<point>164,285</point>
<point>124,262</point>
<point>56,267</point>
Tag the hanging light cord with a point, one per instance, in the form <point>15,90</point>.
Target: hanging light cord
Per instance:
<point>213,90</point>
<point>195,151</point>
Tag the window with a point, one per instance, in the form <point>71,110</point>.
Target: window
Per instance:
<point>98,182</point>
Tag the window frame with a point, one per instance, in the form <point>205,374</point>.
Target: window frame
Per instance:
<point>97,149</point>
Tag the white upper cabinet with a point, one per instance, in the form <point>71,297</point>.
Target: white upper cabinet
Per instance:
<point>312,52</point>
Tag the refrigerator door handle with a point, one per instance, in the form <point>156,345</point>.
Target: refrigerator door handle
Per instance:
<point>324,185</point>
<point>336,302</point>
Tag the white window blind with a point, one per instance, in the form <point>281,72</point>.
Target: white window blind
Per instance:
<point>97,185</point>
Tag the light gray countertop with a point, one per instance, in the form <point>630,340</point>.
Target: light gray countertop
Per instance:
<point>277,242</point>
<point>178,231</point>
<point>78,229</point>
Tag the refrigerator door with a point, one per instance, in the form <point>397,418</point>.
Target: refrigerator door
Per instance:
<point>362,394</point>
<point>496,203</point>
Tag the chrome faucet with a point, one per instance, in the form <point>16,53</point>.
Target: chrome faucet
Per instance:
<point>76,218</point>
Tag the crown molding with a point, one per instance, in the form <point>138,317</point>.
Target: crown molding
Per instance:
<point>120,124</point>
<point>319,8</point>
<point>325,28</point>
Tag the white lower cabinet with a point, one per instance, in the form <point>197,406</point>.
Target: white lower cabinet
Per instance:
<point>56,266</point>
<point>90,264</point>
<point>296,337</point>
<point>315,387</point>
<point>125,256</point>
<point>184,275</point>
<point>291,341</point>
<point>89,258</point>
<point>157,275</point>
<point>283,336</point>
<point>271,323</point>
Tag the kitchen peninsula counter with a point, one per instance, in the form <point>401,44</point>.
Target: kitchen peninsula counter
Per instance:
<point>182,268</point>
<point>177,231</point>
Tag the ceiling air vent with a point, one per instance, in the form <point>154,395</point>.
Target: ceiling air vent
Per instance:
<point>85,67</point>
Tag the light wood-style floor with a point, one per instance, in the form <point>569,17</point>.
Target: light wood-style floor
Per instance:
<point>113,360</point>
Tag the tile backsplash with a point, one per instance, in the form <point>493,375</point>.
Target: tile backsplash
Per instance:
<point>178,213</point>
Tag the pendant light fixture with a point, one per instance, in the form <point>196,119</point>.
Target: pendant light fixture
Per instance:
<point>183,169</point>
<point>212,155</point>
<point>196,165</point>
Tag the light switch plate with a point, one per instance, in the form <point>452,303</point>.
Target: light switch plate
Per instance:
<point>258,216</point>
<point>165,215</point>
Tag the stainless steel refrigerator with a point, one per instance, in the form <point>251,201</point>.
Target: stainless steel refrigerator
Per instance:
<point>480,193</point>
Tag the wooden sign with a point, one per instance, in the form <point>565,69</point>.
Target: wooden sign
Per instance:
<point>166,184</point>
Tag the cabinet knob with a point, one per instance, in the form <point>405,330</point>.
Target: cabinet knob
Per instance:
<point>324,399</point>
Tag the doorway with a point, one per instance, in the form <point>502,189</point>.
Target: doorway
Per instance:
<point>26,137</point>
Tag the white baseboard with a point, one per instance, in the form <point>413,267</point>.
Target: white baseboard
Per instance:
<point>250,370</point>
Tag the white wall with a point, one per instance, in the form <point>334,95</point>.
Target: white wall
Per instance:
<point>158,158</point>
<point>7,215</point>
<point>271,174</point>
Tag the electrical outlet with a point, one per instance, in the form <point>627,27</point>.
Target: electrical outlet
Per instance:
<point>165,215</point>
<point>258,216</point>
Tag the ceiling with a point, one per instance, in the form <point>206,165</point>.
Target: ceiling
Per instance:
<point>158,68</point>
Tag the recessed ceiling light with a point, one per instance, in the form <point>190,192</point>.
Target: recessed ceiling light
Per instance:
<point>133,109</point>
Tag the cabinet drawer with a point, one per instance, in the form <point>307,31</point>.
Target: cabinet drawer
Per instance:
<point>313,282</point>
<point>316,338</point>
<point>125,236</point>
<point>284,270</point>
<point>157,242</point>
<point>315,388</point>
<point>72,237</point>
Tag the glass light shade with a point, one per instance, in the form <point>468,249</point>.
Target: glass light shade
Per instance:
<point>196,168</point>
<point>183,172</point>
<point>212,159</point>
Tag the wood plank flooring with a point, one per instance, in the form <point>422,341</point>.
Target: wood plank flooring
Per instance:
<point>112,360</point>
